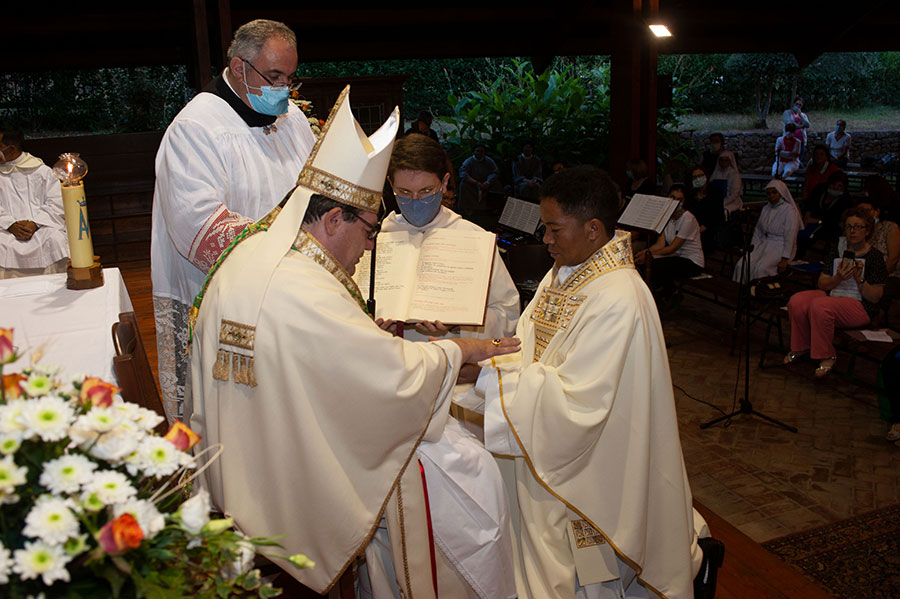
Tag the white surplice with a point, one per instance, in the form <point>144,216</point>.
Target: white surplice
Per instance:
<point>215,174</point>
<point>317,450</point>
<point>588,409</point>
<point>466,494</point>
<point>29,191</point>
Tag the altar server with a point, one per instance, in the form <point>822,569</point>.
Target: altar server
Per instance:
<point>228,157</point>
<point>32,224</point>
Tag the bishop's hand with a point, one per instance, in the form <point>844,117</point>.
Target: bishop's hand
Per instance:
<point>476,350</point>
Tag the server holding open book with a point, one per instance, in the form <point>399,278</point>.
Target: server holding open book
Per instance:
<point>436,273</point>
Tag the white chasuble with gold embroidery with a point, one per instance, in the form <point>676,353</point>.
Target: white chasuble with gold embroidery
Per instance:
<point>587,406</point>
<point>316,448</point>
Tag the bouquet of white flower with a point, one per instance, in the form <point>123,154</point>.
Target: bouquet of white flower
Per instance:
<point>308,111</point>
<point>86,508</point>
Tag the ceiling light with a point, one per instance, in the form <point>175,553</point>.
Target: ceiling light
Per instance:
<point>660,30</point>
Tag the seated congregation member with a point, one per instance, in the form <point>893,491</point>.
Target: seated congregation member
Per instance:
<point>726,181</point>
<point>826,204</point>
<point>818,170</point>
<point>775,235</point>
<point>848,295</point>
<point>592,378</point>
<point>677,253</point>
<point>528,173</point>
<point>478,175</point>
<point>711,155</point>
<point>637,173</point>
<point>706,206</point>
<point>319,410</point>
<point>838,144</point>
<point>787,153</point>
<point>886,239</point>
<point>422,126</point>
<point>32,223</point>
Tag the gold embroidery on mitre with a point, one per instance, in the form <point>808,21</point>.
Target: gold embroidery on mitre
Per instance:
<point>556,306</point>
<point>329,185</point>
<point>586,535</point>
<point>309,246</point>
<point>235,353</point>
<point>339,189</point>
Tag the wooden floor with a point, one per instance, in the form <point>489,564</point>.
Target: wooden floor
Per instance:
<point>749,571</point>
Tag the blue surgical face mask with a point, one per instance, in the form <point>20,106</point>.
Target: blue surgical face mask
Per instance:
<point>699,182</point>
<point>420,212</point>
<point>796,108</point>
<point>837,129</point>
<point>273,101</point>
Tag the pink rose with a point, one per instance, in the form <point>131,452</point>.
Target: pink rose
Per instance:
<point>181,436</point>
<point>7,351</point>
<point>96,392</point>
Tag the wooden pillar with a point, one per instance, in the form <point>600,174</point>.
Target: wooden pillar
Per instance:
<point>210,36</point>
<point>633,82</point>
<point>198,69</point>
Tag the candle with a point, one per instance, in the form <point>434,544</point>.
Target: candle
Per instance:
<point>70,170</point>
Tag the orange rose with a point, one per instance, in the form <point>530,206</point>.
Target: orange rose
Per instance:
<point>96,392</point>
<point>120,535</point>
<point>181,436</point>
<point>11,387</point>
<point>7,351</point>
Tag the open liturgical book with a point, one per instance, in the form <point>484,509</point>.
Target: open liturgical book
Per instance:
<point>648,212</point>
<point>442,274</point>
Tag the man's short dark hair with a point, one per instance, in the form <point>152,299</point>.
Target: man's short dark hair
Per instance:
<point>838,177</point>
<point>426,117</point>
<point>790,127</point>
<point>12,136</point>
<point>584,192</point>
<point>718,135</point>
<point>319,205</point>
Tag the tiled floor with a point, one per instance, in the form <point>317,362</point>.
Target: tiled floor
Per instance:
<point>764,480</point>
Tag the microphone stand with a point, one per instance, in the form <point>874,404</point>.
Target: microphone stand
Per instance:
<point>744,308</point>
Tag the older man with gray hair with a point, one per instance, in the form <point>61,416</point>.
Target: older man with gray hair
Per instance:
<point>225,160</point>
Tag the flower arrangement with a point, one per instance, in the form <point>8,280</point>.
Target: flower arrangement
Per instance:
<point>90,504</point>
<point>306,107</point>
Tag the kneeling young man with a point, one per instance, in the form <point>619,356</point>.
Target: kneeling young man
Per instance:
<point>586,410</point>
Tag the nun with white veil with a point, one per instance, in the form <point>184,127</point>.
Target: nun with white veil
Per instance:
<point>726,179</point>
<point>775,236</point>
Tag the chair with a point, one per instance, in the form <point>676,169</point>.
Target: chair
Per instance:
<point>133,368</point>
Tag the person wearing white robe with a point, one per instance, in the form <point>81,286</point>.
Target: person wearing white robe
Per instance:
<point>32,223</point>
<point>775,235</point>
<point>465,488</point>
<point>221,166</point>
<point>319,409</point>
<point>587,410</point>
<point>726,178</point>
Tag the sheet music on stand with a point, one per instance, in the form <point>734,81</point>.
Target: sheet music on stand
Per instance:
<point>648,212</point>
<point>520,215</point>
